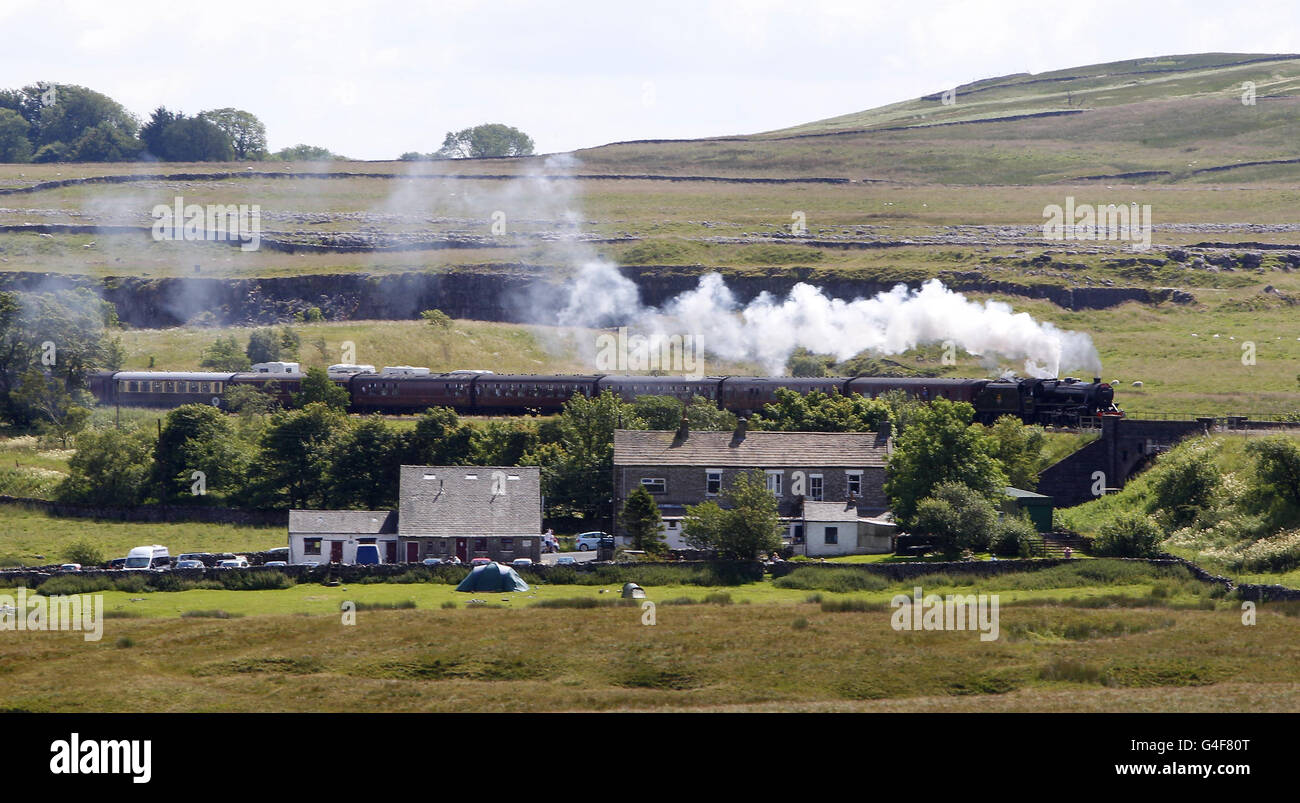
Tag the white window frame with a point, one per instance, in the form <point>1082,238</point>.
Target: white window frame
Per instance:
<point>708,477</point>
<point>775,487</point>
<point>818,484</point>
<point>649,484</point>
<point>850,476</point>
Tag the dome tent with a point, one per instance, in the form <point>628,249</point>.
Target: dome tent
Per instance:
<point>492,577</point>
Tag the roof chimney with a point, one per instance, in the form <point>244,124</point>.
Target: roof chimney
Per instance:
<point>742,425</point>
<point>683,430</point>
<point>883,430</point>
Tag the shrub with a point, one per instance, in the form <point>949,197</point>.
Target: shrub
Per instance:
<point>817,578</point>
<point>445,575</point>
<point>956,517</point>
<point>1129,535</point>
<point>1280,553</point>
<point>712,574</point>
<point>238,580</point>
<point>1185,482</point>
<point>1014,536</point>
<point>74,584</point>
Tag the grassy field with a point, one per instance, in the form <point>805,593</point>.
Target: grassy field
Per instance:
<point>30,537</point>
<point>1161,645</point>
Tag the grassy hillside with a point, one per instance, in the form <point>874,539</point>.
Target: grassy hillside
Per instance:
<point>1237,529</point>
<point>1177,114</point>
<point>963,202</point>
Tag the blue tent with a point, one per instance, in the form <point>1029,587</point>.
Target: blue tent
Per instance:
<point>493,577</point>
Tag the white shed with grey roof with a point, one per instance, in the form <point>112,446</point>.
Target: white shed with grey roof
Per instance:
<point>332,536</point>
<point>836,528</point>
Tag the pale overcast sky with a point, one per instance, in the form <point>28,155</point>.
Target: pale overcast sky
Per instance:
<point>374,79</point>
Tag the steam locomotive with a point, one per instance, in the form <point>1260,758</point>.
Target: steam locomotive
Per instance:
<point>407,389</point>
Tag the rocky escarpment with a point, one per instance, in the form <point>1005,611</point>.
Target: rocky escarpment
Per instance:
<point>510,293</point>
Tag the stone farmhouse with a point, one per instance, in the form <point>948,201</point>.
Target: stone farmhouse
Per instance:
<point>844,471</point>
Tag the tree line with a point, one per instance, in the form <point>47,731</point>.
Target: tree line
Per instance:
<point>49,343</point>
<point>315,455</point>
<point>48,122</point>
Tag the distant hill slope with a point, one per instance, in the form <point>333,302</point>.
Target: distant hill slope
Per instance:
<point>1166,119</point>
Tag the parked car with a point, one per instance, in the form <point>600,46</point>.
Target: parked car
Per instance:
<point>154,556</point>
<point>117,563</point>
<point>276,563</point>
<point>480,561</point>
<point>234,563</point>
<point>586,542</point>
<point>201,557</point>
<point>432,561</point>
<point>368,554</point>
<point>566,560</point>
<point>521,563</point>
<point>70,567</point>
<point>190,563</point>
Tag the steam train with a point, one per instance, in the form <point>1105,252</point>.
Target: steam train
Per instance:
<point>406,389</point>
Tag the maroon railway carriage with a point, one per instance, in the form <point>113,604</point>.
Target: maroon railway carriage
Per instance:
<point>923,388</point>
<point>398,393</point>
<point>748,394</point>
<point>628,388</point>
<point>280,387</point>
<point>529,393</point>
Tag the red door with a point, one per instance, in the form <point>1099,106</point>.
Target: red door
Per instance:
<point>462,549</point>
<point>390,552</point>
<point>336,551</point>
<point>412,552</point>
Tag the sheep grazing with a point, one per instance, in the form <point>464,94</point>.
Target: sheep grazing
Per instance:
<point>1137,383</point>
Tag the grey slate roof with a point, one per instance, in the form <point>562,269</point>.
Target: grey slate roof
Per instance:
<point>460,501</point>
<point>829,511</point>
<point>343,522</point>
<point>756,449</point>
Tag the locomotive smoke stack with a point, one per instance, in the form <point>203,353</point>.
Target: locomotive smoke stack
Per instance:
<point>1096,380</point>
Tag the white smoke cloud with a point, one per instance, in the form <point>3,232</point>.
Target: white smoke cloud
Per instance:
<point>768,329</point>
<point>765,330</point>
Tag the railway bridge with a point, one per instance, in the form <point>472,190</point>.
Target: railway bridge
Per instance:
<point>1125,445</point>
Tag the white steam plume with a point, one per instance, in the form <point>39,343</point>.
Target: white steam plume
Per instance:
<point>768,329</point>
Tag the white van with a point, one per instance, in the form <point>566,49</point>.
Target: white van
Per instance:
<point>148,557</point>
<point>350,368</point>
<point>276,368</point>
<point>404,370</point>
